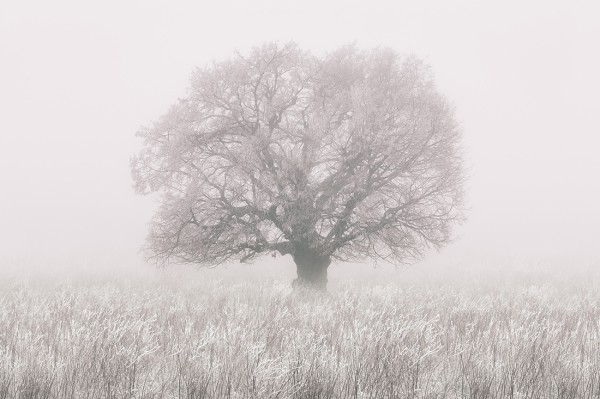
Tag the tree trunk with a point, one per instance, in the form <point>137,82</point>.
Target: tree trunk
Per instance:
<point>311,268</point>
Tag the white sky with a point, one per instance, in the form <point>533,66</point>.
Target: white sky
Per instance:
<point>78,78</point>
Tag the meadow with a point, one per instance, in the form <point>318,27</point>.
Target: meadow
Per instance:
<point>523,336</point>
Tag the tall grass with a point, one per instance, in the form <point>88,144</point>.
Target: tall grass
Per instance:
<point>215,340</point>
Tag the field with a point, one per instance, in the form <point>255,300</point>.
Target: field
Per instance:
<point>522,336</point>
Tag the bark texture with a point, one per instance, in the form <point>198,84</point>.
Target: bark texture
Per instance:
<point>311,268</point>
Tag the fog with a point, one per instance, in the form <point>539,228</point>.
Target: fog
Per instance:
<point>78,79</point>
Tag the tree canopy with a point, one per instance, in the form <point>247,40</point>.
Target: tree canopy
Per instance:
<point>348,156</point>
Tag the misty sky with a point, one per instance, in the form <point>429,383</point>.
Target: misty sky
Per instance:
<point>77,79</point>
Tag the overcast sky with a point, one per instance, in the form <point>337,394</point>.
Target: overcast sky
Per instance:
<point>78,78</point>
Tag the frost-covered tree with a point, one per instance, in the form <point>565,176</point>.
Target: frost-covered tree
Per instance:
<point>348,156</point>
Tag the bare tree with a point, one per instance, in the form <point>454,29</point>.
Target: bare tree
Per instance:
<point>350,156</point>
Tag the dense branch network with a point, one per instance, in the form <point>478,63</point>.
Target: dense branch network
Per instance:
<point>351,155</point>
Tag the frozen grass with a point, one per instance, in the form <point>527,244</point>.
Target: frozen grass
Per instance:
<point>157,339</point>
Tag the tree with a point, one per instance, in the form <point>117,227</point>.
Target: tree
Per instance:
<point>349,156</point>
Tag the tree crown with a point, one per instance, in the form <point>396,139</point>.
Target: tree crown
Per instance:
<point>348,156</point>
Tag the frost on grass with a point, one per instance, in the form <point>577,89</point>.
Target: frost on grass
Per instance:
<point>206,340</point>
